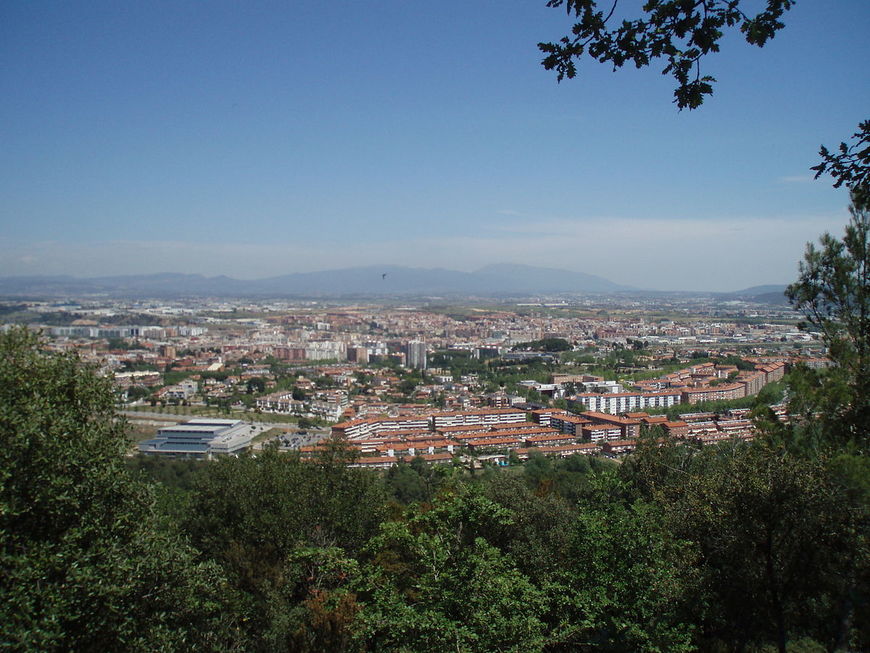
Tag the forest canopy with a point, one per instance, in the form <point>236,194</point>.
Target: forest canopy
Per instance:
<point>680,548</point>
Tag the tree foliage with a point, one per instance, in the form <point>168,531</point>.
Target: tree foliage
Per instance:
<point>84,562</point>
<point>286,530</point>
<point>679,32</point>
<point>778,537</point>
<point>546,344</point>
<point>438,583</point>
<point>833,292</point>
<point>629,581</point>
<point>850,164</point>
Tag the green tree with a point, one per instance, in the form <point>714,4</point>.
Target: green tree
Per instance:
<point>285,530</point>
<point>833,292</point>
<point>547,344</point>
<point>256,385</point>
<point>84,562</point>
<point>438,583</point>
<point>779,539</point>
<point>627,582</point>
<point>540,537</point>
<point>137,392</point>
<point>416,481</point>
<point>407,386</point>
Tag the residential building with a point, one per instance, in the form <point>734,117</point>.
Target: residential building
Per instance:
<point>415,354</point>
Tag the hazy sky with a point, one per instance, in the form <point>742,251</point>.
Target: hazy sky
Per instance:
<point>256,139</point>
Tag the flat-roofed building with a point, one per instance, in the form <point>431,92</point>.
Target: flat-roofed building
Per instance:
<point>715,393</point>
<point>601,432</point>
<point>630,428</point>
<point>543,415</point>
<point>619,446</point>
<point>676,429</point>
<point>200,438</point>
<point>570,424</point>
<point>378,426</point>
<point>489,417</point>
<point>624,402</point>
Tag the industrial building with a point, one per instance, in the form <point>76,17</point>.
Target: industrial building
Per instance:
<point>200,438</point>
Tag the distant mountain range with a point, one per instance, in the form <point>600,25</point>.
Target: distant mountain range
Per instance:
<point>504,279</point>
<point>493,280</point>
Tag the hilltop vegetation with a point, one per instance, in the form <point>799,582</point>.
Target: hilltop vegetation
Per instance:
<point>734,547</point>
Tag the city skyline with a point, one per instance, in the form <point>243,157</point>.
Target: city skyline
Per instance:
<point>264,140</point>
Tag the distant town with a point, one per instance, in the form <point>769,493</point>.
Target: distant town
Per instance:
<point>476,383</point>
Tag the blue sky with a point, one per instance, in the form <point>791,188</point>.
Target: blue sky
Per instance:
<point>257,139</point>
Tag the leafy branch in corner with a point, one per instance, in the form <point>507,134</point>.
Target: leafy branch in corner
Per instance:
<point>850,165</point>
<point>680,31</point>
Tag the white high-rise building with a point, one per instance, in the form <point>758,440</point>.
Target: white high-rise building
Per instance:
<point>415,354</point>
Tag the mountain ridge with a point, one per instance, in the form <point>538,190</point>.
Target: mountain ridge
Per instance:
<point>500,279</point>
<point>503,278</point>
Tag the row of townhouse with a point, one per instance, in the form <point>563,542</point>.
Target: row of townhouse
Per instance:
<point>421,440</point>
<point>471,417</point>
<point>280,402</point>
<point>504,437</point>
<point>714,393</point>
<point>327,405</point>
<point>543,416</point>
<point>451,431</point>
<point>675,428</point>
<point>509,438</point>
<point>417,448</point>
<point>596,426</point>
<point>606,434</point>
<point>706,428</point>
<point>746,384</point>
<point>367,426</point>
<point>625,402</point>
<point>390,453</point>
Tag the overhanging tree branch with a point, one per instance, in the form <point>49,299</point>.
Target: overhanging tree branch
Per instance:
<point>680,32</point>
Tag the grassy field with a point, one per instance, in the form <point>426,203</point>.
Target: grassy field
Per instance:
<point>138,432</point>
<point>265,436</point>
